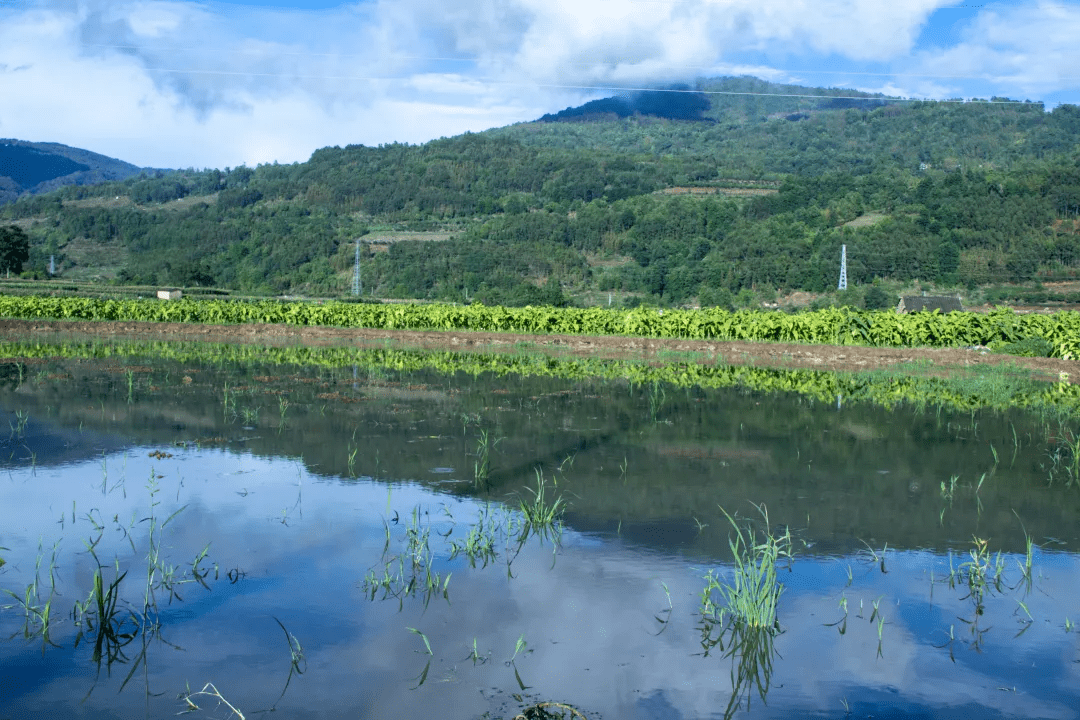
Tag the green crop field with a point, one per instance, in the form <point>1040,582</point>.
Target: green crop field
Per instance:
<point>842,326</point>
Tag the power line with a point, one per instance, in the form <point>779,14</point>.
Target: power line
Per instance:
<point>276,53</point>
<point>732,2</point>
<point>606,88</point>
<point>713,68</point>
<point>357,287</point>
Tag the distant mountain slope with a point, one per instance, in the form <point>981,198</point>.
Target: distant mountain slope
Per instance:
<point>728,99</point>
<point>29,167</point>
<point>759,129</point>
<point>678,103</point>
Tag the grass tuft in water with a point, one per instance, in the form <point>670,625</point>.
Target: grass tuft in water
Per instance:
<point>479,542</point>
<point>352,460</point>
<point>283,407</point>
<point>541,513</point>
<point>475,656</point>
<point>482,466</point>
<point>751,596</point>
<point>1066,454</point>
<point>209,691</point>
<point>405,574</point>
<point>37,614</point>
<point>1029,557</point>
<point>541,516</point>
<point>982,573</point>
<point>250,416</point>
<point>423,637</point>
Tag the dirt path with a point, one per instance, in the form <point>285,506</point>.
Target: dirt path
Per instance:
<point>818,357</point>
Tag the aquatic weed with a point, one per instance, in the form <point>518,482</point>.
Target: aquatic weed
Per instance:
<point>752,595</point>
<point>210,691</point>
<point>541,515</point>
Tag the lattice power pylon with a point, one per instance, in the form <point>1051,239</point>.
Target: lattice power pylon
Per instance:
<point>843,268</point>
<point>356,287</point>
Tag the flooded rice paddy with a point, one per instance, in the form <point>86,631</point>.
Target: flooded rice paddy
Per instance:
<point>226,539</point>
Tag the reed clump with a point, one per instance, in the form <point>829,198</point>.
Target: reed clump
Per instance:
<point>541,516</point>
<point>750,596</point>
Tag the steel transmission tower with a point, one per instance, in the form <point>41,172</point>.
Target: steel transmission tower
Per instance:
<point>843,268</point>
<point>357,286</point>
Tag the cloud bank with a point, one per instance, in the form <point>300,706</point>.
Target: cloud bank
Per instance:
<point>176,84</point>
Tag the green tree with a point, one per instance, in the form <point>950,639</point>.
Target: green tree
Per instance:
<point>877,299</point>
<point>14,249</point>
<point>948,257</point>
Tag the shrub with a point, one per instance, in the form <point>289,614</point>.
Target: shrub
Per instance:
<point>878,299</point>
<point>1028,347</point>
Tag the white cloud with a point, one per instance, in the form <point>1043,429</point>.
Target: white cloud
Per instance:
<point>94,80</point>
<point>154,21</point>
<point>1025,49</point>
<point>172,83</point>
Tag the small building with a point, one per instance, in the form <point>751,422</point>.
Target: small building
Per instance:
<point>929,303</point>
<point>169,294</point>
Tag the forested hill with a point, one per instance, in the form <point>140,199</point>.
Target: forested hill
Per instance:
<point>757,192</point>
<point>758,129</point>
<point>29,167</point>
<point>678,103</point>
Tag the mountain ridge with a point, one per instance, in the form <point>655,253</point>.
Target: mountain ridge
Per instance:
<point>32,168</point>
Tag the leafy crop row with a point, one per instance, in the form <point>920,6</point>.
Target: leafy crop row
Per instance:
<point>842,326</point>
<point>965,393</point>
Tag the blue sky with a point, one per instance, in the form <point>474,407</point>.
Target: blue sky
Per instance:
<point>180,83</point>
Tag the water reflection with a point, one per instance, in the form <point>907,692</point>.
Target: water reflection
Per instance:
<point>588,619</point>
<point>751,650</point>
<point>353,560</point>
<point>851,471</point>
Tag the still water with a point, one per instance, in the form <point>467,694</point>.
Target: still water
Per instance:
<point>295,536</point>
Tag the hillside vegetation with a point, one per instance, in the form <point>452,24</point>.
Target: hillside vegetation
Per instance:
<point>597,200</point>
<point>29,167</point>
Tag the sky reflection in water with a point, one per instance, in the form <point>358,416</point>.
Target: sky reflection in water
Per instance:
<point>303,543</point>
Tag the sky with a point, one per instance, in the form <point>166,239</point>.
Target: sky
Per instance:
<point>183,83</point>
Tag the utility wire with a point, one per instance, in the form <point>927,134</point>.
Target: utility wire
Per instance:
<point>713,68</point>
<point>968,6</point>
<point>606,88</point>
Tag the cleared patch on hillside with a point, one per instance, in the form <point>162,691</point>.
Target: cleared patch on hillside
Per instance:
<point>1062,286</point>
<point>90,260</point>
<point>123,201</point>
<point>723,191</point>
<point>107,202</point>
<point>189,201</point>
<point>381,241</point>
<point>607,260</point>
<point>866,220</point>
<point>386,238</point>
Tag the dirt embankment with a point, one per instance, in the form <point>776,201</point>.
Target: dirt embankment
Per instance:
<point>817,357</point>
